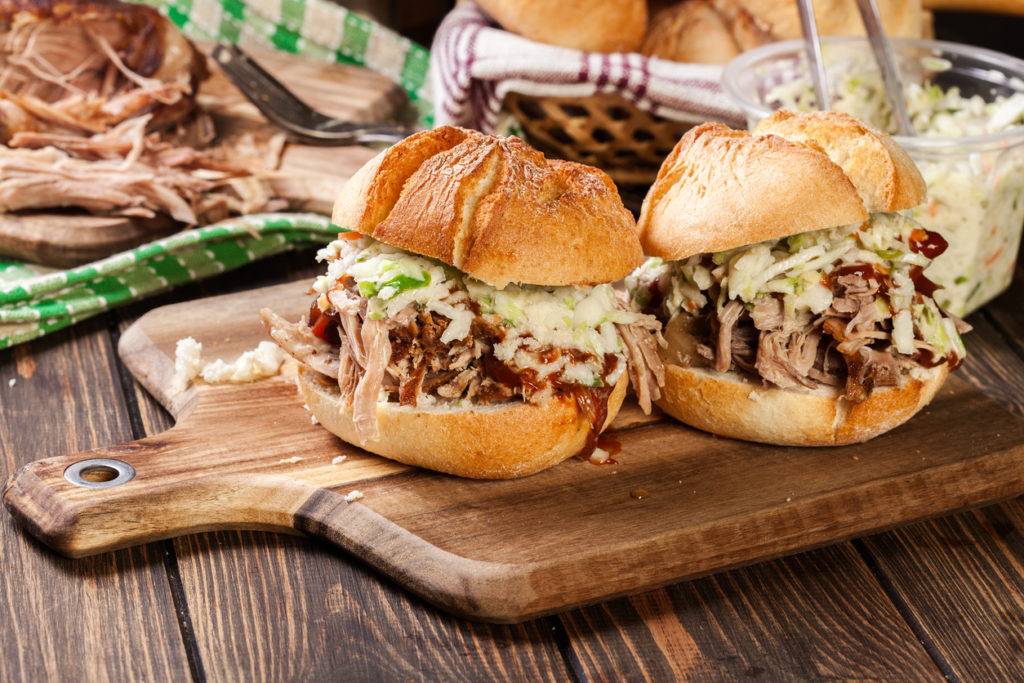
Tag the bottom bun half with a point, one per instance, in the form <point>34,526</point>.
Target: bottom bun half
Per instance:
<point>729,404</point>
<point>502,441</point>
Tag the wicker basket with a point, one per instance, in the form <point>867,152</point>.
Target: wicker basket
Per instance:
<point>602,130</point>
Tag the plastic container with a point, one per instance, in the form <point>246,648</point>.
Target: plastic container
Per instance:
<point>975,179</point>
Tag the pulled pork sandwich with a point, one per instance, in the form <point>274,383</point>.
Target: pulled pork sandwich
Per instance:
<point>466,323</point>
<point>794,299</point>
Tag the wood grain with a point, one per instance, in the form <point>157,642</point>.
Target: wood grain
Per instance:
<point>308,177</point>
<point>271,607</point>
<point>66,396</point>
<point>817,615</point>
<point>247,456</point>
<point>976,621</point>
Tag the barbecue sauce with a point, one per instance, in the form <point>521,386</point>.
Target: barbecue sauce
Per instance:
<point>922,284</point>
<point>864,270</point>
<point>591,401</point>
<point>926,242</point>
<point>324,325</point>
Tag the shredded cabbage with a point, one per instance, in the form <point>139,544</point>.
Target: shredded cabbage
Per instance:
<point>974,198</point>
<point>798,269</point>
<point>534,317</point>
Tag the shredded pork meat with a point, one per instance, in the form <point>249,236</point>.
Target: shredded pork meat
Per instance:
<point>85,66</point>
<point>402,358</point>
<point>98,112</point>
<point>845,346</point>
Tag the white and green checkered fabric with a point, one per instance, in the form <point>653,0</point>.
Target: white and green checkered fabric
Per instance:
<point>312,28</point>
<point>35,301</point>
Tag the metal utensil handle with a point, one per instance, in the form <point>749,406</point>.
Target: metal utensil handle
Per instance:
<point>883,55</point>
<point>819,79</point>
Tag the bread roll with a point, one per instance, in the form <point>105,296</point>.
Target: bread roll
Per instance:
<point>589,25</point>
<point>849,169</point>
<point>703,32</point>
<point>883,173</point>
<point>734,405</point>
<point>502,441</point>
<point>493,207</point>
<point>715,31</point>
<point>764,372</point>
<point>723,203</point>
<point>839,17</point>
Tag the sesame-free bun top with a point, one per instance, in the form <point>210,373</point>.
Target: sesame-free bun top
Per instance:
<point>493,207</point>
<point>722,188</point>
<point>590,25</point>
<point>883,173</point>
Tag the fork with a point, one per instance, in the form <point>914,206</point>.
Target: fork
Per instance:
<point>285,110</point>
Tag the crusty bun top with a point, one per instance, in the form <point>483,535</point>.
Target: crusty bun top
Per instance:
<point>493,207</point>
<point>722,188</point>
<point>591,25</point>
<point>883,173</point>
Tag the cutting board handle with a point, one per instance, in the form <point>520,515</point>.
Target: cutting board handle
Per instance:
<point>135,493</point>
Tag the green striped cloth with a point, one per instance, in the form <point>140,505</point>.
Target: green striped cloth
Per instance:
<point>34,303</point>
<point>35,300</point>
<point>312,28</point>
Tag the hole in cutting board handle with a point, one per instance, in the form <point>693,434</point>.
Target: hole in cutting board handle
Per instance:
<point>99,473</point>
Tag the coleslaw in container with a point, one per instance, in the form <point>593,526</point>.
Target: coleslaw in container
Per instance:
<point>966,105</point>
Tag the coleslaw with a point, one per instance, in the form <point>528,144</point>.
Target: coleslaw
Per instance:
<point>975,182</point>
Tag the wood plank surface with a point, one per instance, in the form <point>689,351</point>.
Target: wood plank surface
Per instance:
<point>227,465</point>
<point>270,607</point>
<point>812,616</point>
<point>976,622</point>
<point>58,394</point>
<point>772,620</point>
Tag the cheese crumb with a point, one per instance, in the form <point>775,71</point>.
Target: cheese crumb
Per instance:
<point>187,363</point>
<point>353,496</point>
<point>12,381</point>
<point>263,361</point>
<point>292,460</point>
<point>599,456</point>
<point>340,459</point>
<point>754,396</point>
<point>313,420</point>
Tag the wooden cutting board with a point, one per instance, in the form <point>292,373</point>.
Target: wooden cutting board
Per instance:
<point>677,504</point>
<point>309,177</point>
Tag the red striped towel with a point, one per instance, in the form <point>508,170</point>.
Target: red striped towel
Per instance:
<point>473,65</point>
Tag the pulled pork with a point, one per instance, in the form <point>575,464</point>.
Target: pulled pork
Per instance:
<point>847,345</point>
<point>125,172</point>
<point>403,357</point>
<point>98,112</point>
<point>85,66</point>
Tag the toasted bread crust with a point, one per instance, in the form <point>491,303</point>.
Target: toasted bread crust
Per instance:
<point>479,443</point>
<point>495,208</point>
<point>730,404</point>
<point>883,173</point>
<point>592,25</point>
<point>722,188</point>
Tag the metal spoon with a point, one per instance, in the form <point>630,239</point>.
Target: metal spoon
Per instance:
<point>883,55</point>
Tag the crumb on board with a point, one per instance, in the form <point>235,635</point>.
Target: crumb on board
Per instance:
<point>263,361</point>
<point>353,496</point>
<point>12,381</point>
<point>292,460</point>
<point>340,459</point>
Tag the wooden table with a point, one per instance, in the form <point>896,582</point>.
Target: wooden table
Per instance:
<point>939,598</point>
<point>933,600</point>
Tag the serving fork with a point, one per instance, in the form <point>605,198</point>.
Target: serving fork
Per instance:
<point>285,110</point>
